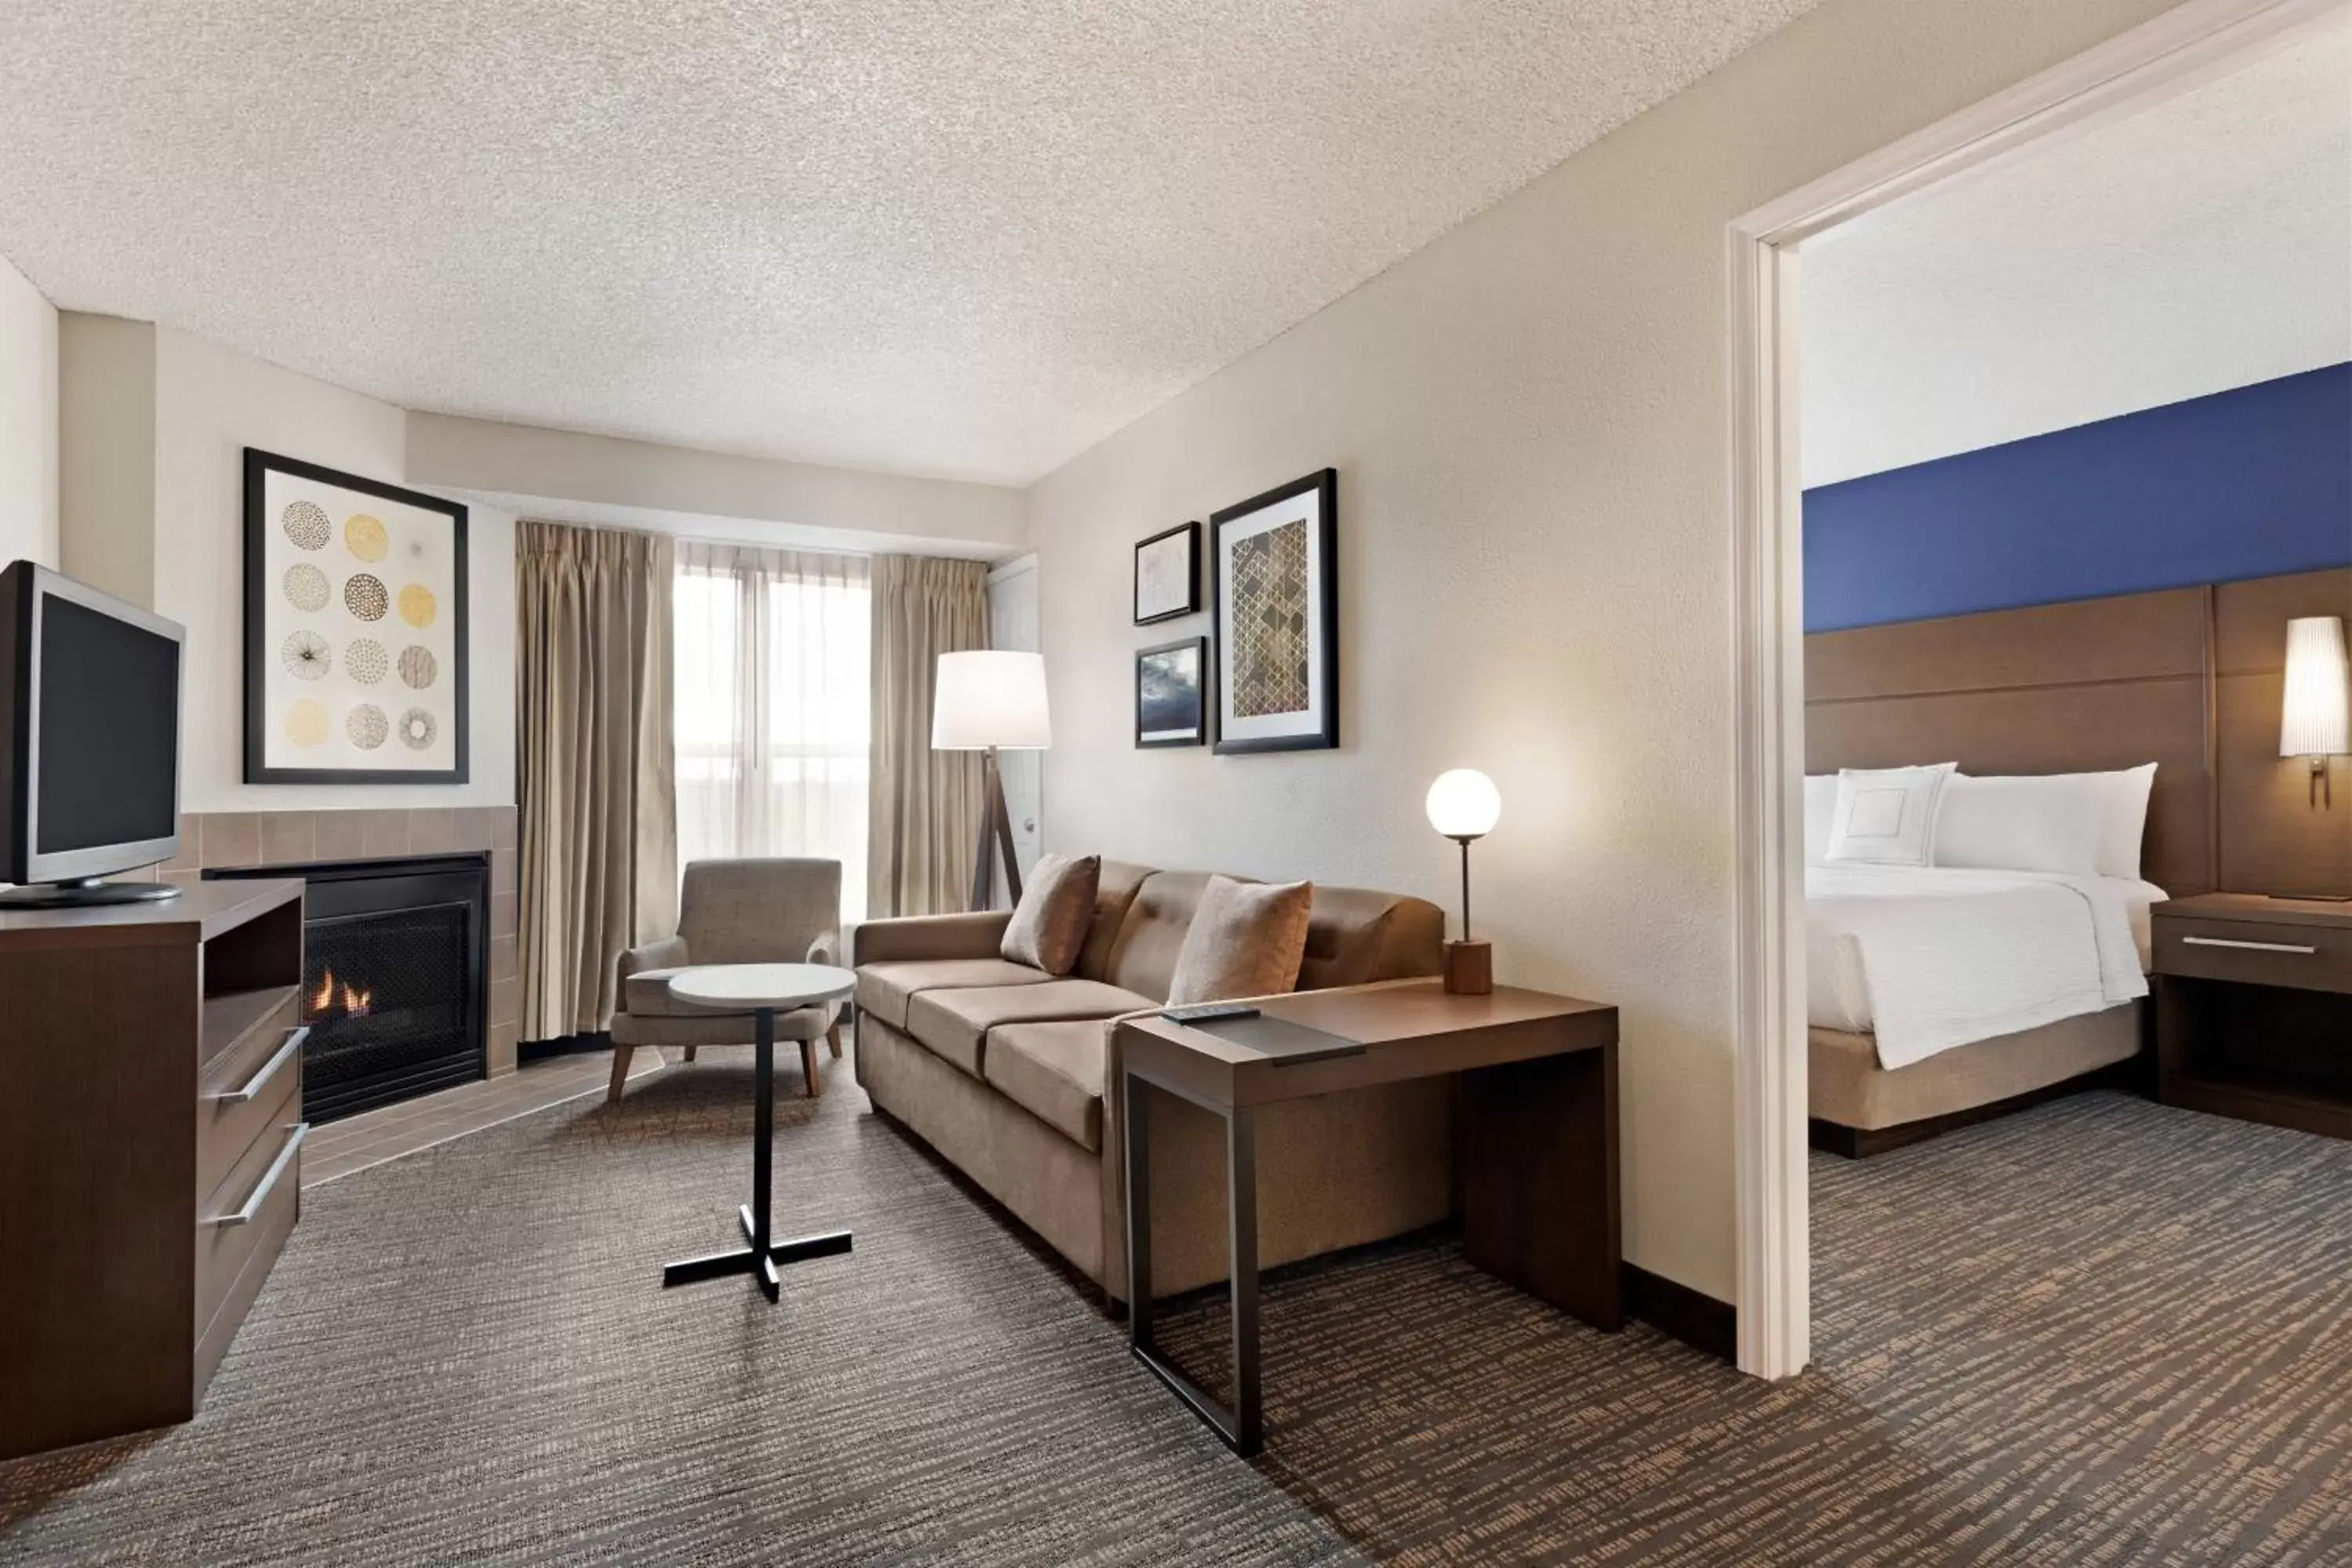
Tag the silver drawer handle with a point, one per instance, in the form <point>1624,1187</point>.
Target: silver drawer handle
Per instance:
<point>2249,946</point>
<point>268,1070</point>
<point>269,1182</point>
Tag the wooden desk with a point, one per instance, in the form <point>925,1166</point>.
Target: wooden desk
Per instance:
<point>1536,1146</point>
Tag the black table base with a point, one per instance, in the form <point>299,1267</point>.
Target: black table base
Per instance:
<point>763,1257</point>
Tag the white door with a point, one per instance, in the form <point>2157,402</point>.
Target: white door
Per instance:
<point>1012,624</point>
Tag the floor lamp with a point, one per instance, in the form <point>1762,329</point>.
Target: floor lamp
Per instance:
<point>990,701</point>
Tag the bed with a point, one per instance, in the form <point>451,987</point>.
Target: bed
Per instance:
<point>1940,996</point>
<point>2025,1009</point>
<point>2188,678</point>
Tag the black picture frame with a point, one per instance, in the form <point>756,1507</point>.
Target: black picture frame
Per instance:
<point>1191,532</point>
<point>1324,484</point>
<point>259,464</point>
<point>1198,647</point>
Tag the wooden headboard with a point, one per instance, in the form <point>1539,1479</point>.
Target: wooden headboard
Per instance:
<point>2188,678</point>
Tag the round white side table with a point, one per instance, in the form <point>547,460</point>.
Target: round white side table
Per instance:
<point>762,990</point>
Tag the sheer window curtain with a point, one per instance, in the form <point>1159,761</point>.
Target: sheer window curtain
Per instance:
<point>773,711</point>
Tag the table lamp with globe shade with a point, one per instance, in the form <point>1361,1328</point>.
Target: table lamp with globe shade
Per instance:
<point>1464,804</point>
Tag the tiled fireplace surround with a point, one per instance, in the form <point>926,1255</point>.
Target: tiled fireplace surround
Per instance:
<point>301,838</point>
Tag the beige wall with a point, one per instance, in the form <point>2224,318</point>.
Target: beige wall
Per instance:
<point>29,422</point>
<point>643,484</point>
<point>154,423</point>
<point>106,384</point>
<point>1528,417</point>
<point>211,403</point>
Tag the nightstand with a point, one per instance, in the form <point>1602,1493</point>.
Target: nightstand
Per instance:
<point>2254,1009</point>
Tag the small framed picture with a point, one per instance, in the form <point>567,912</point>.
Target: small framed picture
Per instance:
<point>1274,560</point>
<point>1168,574</point>
<point>1170,709</point>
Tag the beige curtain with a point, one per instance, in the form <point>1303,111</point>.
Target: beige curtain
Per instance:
<point>599,870</point>
<point>923,818</point>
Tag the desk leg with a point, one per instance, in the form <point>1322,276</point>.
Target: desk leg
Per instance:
<point>760,1258</point>
<point>1136,1138</point>
<point>1538,1155</point>
<point>1244,1427</point>
<point>1241,1264</point>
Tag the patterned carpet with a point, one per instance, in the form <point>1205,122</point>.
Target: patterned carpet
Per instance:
<point>2103,1333</point>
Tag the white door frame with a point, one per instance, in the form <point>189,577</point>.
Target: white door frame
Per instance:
<point>2193,43</point>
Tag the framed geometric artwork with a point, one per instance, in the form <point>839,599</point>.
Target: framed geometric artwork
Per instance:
<point>1274,568</point>
<point>1169,708</point>
<point>354,628</point>
<point>1168,574</point>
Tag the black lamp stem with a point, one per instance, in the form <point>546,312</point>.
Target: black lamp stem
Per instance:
<point>1464,842</point>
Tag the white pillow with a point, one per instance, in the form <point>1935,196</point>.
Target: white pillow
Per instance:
<point>1886,816</point>
<point>1820,813</point>
<point>2125,825</point>
<point>2023,823</point>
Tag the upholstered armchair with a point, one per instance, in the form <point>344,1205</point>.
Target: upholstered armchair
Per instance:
<point>733,912</point>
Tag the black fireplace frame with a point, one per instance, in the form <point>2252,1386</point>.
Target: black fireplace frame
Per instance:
<point>334,889</point>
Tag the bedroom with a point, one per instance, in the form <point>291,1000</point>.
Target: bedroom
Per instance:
<point>2077,468</point>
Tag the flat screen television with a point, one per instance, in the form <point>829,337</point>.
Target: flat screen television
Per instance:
<point>89,702</point>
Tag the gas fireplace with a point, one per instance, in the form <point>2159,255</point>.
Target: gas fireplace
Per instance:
<point>396,967</point>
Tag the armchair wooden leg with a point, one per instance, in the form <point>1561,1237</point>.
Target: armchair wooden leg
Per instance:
<point>808,1068</point>
<point>621,1055</point>
<point>690,1053</point>
<point>833,1038</point>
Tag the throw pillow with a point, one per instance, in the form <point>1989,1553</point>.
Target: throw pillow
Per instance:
<point>1247,939</point>
<point>1886,816</point>
<point>1058,904</point>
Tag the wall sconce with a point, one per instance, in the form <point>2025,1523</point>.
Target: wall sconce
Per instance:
<point>2316,720</point>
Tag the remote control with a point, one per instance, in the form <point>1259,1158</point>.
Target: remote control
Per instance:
<point>1207,1012</point>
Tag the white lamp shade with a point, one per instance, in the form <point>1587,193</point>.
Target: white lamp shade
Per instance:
<point>1464,804</point>
<point>2316,720</point>
<point>991,696</point>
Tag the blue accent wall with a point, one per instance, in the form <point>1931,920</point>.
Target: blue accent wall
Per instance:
<point>2252,482</point>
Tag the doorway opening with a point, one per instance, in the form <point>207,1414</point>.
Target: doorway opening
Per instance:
<point>2073,105</point>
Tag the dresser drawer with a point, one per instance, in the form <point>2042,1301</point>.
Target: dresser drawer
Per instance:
<point>2255,953</point>
<point>249,1088</point>
<point>248,1215</point>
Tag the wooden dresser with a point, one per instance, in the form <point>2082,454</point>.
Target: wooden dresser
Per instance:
<point>151,1130</point>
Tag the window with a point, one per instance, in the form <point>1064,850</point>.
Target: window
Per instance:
<point>772,703</point>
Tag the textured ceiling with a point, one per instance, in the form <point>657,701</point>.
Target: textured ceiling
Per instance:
<point>966,239</point>
<point>2201,244</point>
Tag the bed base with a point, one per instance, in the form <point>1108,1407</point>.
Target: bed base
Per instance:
<point>1860,1143</point>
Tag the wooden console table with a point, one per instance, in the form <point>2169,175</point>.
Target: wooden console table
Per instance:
<point>150,1149</point>
<point>1536,1146</point>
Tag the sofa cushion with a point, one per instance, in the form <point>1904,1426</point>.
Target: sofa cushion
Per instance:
<point>1115,889</point>
<point>1054,1071</point>
<point>1247,940</point>
<point>885,989</point>
<point>1143,957</point>
<point>1050,923</point>
<point>954,1024</point>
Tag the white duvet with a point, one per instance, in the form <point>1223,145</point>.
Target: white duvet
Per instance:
<point>1927,959</point>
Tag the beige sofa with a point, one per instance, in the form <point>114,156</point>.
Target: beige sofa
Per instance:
<point>1008,1072</point>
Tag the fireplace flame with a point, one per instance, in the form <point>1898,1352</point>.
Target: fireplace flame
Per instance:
<point>353,1002</point>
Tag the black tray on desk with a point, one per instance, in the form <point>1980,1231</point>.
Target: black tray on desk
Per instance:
<point>1284,1043</point>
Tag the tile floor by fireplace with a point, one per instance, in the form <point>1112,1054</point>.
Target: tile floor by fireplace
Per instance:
<point>372,1137</point>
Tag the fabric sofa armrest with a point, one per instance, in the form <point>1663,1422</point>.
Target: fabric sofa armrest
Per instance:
<point>669,953</point>
<point>825,949</point>
<point>912,937</point>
